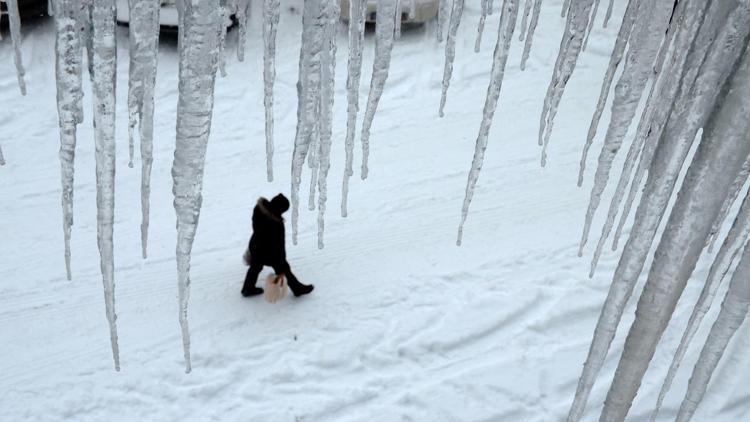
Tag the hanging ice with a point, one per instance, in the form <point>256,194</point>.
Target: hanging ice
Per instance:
<point>623,36</point>
<point>144,46</point>
<point>308,94</point>
<point>450,49</point>
<point>480,26</point>
<point>198,41</point>
<point>725,146</point>
<point>270,22</point>
<point>105,67</point>
<point>68,69</point>
<point>499,59</point>
<point>224,19</point>
<point>243,8</point>
<point>638,67</point>
<point>2,159</point>
<point>443,9</point>
<point>525,19</point>
<point>608,14</point>
<point>734,191</point>
<point>397,24</point>
<point>735,241</point>
<point>591,24</point>
<point>732,315</point>
<point>357,11</point>
<point>384,21</point>
<point>565,8</point>
<point>530,33</point>
<point>330,16</point>
<point>14,21</point>
<point>570,47</point>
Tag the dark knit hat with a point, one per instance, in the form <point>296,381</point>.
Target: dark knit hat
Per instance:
<point>279,204</point>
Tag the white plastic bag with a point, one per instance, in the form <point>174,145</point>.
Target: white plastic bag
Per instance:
<point>276,288</point>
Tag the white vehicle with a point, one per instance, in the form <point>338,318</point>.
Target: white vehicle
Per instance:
<point>412,11</point>
<point>167,14</point>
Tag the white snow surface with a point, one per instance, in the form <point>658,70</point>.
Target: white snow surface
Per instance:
<point>402,326</point>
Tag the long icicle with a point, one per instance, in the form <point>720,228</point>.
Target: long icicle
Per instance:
<point>623,36</point>
<point>144,46</point>
<point>444,6</point>
<point>270,23</point>
<point>530,33</point>
<point>724,145</point>
<point>330,16</point>
<point>714,17</point>
<point>357,11</point>
<point>480,26</point>
<point>68,70</point>
<point>570,48</point>
<point>733,312</point>
<point>608,14</point>
<point>450,50</point>
<point>565,8</point>
<point>198,46</point>
<point>499,60</point>
<point>105,68</point>
<point>2,159</point>
<point>14,20</point>
<point>734,242</point>
<point>383,47</point>
<point>628,91</point>
<point>525,19</point>
<point>654,114</point>
<point>243,7</point>
<point>591,24</point>
<point>689,113</point>
<point>734,192</point>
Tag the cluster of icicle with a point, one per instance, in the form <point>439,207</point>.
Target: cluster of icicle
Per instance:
<point>14,22</point>
<point>695,56</point>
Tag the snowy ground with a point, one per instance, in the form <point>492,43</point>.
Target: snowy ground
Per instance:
<point>403,325</point>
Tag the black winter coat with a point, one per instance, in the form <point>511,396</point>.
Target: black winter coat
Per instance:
<point>267,242</point>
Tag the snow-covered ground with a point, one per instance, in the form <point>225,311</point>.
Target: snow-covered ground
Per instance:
<point>403,325</point>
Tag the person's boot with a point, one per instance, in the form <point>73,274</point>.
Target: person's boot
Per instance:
<point>253,291</point>
<point>302,289</point>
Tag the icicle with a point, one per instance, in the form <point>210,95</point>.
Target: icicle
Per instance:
<point>450,49</point>
<point>565,8</point>
<point>2,159</point>
<point>724,146</point>
<point>732,315</point>
<point>443,8</point>
<point>68,70</point>
<point>357,11</point>
<point>105,67</point>
<point>144,45</point>
<point>739,182</point>
<point>383,47</point>
<point>397,24</point>
<point>480,26</point>
<point>617,53</point>
<point>308,94</point>
<point>499,59</point>
<point>638,67</point>
<point>570,47</point>
<point>330,16</point>
<point>243,8</point>
<point>14,20</point>
<point>715,18</point>
<point>591,24</point>
<point>199,50</point>
<point>270,23</point>
<point>224,20</point>
<point>736,239</point>
<point>608,14</point>
<point>652,119</point>
<point>490,7</point>
<point>525,19</point>
<point>530,34</point>
<point>688,114</point>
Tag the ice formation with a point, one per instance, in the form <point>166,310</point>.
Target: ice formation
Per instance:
<point>450,49</point>
<point>2,158</point>
<point>270,22</point>
<point>480,26</point>
<point>357,11</point>
<point>530,33</point>
<point>198,44</point>
<point>14,20</point>
<point>144,47</point>
<point>384,21</point>
<point>104,64</point>
<point>499,59</point>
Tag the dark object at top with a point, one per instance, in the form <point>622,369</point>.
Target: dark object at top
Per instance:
<point>279,204</point>
<point>267,242</point>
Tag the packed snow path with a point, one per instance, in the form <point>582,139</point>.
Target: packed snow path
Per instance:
<point>402,325</point>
